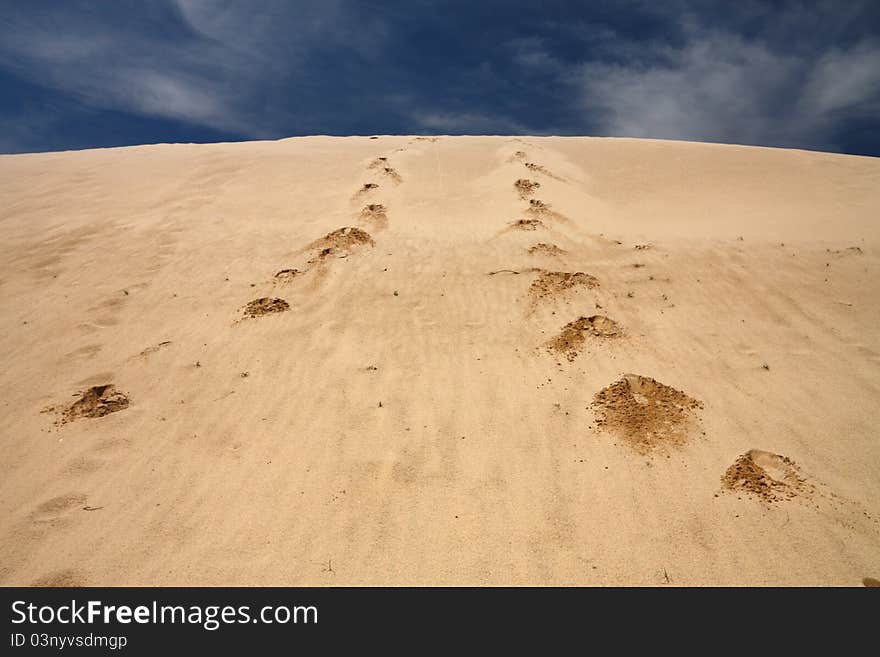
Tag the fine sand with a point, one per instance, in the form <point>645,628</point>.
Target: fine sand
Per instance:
<point>455,360</point>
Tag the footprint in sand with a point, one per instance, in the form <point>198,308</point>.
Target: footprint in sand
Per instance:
<point>264,306</point>
<point>526,224</point>
<point>95,402</point>
<point>546,249</point>
<point>537,168</point>
<point>767,476</point>
<point>646,414</point>
<point>365,190</point>
<point>574,335</point>
<point>381,164</point>
<point>392,173</point>
<point>339,243</point>
<point>552,284</point>
<point>375,215</point>
<point>525,187</point>
<point>540,209</point>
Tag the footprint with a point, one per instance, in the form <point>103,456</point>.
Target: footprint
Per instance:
<point>392,173</point>
<point>544,248</point>
<point>645,413</point>
<point>525,187</point>
<point>265,306</point>
<point>765,475</point>
<point>527,224</point>
<point>540,209</point>
<point>552,284</point>
<point>95,402</point>
<point>365,190</point>
<point>537,168</point>
<point>571,339</point>
<point>340,243</point>
<point>375,215</point>
<point>381,164</point>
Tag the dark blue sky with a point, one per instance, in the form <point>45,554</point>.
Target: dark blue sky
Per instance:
<point>81,74</point>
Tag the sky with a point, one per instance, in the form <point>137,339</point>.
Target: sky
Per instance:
<point>95,73</point>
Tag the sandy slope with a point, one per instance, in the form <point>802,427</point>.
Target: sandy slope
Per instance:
<point>484,463</point>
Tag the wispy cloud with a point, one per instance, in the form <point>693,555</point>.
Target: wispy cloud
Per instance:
<point>107,63</point>
<point>725,88</point>
<point>218,67</point>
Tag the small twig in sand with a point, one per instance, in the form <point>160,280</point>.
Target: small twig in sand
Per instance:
<point>530,270</point>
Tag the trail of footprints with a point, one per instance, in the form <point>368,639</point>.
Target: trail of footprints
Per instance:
<point>100,400</point>
<point>645,414</point>
<point>339,243</point>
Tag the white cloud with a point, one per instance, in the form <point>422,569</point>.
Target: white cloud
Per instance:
<point>847,80</point>
<point>218,67</point>
<point>139,73</point>
<point>720,87</point>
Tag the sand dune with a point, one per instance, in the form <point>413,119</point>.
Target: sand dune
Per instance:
<point>457,360</point>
